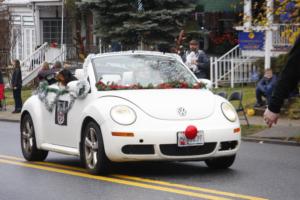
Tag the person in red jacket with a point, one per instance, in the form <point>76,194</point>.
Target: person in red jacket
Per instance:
<point>2,91</point>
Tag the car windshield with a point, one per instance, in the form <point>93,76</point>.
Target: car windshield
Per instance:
<point>141,69</point>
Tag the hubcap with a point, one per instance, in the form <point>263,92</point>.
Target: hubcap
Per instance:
<point>91,148</point>
<point>27,136</point>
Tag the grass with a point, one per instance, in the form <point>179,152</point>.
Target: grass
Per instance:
<point>252,129</point>
<point>297,139</point>
<point>26,93</point>
<point>249,98</point>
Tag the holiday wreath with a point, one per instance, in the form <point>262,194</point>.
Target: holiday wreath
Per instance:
<point>167,85</point>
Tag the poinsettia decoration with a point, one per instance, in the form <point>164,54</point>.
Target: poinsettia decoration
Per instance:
<point>168,85</point>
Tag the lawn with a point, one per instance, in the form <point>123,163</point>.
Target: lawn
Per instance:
<point>26,93</point>
<point>248,98</point>
<point>291,107</point>
<point>252,129</point>
<point>248,94</point>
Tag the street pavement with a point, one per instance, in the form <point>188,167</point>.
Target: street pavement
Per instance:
<point>261,171</point>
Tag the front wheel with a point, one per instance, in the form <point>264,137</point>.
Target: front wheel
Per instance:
<point>28,141</point>
<point>93,154</point>
<point>221,162</point>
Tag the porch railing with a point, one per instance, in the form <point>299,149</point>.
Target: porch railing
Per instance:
<point>232,68</point>
<point>31,65</point>
<point>281,34</point>
<point>220,66</point>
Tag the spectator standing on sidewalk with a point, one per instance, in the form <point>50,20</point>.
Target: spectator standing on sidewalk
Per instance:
<point>287,81</point>
<point>197,60</point>
<point>16,82</point>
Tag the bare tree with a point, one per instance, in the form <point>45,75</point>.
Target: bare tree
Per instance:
<point>8,39</point>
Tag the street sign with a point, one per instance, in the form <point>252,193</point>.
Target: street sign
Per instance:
<point>251,40</point>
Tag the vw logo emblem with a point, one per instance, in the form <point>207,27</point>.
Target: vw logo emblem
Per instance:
<point>181,111</point>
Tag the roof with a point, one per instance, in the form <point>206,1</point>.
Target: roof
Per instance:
<point>16,1</point>
<point>22,2</point>
<point>220,5</point>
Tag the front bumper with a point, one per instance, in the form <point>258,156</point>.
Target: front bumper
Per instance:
<point>162,145</point>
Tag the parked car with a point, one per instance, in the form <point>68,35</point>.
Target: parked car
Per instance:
<point>131,106</point>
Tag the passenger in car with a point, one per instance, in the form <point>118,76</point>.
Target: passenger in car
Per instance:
<point>64,77</point>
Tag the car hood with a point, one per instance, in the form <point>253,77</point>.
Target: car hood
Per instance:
<point>171,104</point>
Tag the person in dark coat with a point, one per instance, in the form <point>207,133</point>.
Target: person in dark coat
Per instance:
<point>16,82</point>
<point>287,82</point>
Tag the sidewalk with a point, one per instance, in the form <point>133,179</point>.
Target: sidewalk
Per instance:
<point>8,116</point>
<point>286,131</point>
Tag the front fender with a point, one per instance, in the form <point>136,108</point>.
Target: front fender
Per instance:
<point>34,107</point>
<point>99,111</point>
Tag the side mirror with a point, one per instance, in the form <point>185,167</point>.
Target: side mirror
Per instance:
<point>208,83</point>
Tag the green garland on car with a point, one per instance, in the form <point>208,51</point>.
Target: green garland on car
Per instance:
<point>82,89</point>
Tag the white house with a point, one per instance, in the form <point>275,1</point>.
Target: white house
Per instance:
<point>34,23</point>
<point>238,64</point>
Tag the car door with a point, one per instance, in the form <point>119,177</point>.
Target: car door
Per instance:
<point>67,120</point>
<point>57,122</point>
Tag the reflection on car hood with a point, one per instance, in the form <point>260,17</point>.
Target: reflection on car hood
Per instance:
<point>171,104</point>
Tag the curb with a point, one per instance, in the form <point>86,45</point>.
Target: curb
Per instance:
<point>270,141</point>
<point>10,120</point>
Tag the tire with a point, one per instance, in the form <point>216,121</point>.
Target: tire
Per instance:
<point>93,153</point>
<point>221,162</point>
<point>28,141</point>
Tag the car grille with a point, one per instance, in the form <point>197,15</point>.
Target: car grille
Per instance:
<point>138,149</point>
<point>228,145</point>
<point>174,150</point>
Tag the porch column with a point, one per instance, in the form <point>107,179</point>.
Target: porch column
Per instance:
<point>247,15</point>
<point>62,24</point>
<point>37,25</point>
<point>268,32</point>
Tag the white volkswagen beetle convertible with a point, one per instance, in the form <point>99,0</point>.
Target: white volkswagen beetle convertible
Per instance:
<point>131,106</point>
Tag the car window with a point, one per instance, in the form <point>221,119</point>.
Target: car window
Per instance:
<point>140,69</point>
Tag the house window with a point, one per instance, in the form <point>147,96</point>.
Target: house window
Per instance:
<point>29,41</point>
<point>28,21</point>
<point>52,31</point>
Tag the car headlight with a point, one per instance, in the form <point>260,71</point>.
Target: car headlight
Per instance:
<point>229,111</point>
<point>123,115</point>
